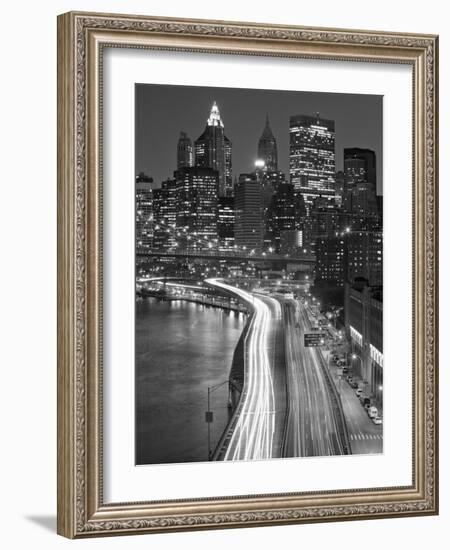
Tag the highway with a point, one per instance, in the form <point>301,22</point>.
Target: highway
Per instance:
<point>257,433</point>
<point>365,436</point>
<point>313,428</point>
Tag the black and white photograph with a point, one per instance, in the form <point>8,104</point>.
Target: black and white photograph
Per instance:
<point>259,274</point>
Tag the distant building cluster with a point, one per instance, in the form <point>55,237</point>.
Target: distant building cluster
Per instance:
<point>334,217</point>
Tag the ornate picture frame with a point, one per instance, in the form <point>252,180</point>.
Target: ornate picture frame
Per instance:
<point>82,38</point>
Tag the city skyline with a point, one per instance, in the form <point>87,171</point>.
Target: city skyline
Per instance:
<point>357,118</point>
<point>259,274</point>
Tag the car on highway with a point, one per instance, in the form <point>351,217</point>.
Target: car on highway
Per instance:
<point>377,420</point>
<point>372,411</point>
<point>354,385</point>
<point>359,392</point>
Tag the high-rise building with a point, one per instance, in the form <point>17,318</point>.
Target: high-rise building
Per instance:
<point>339,188</point>
<point>225,223</point>
<point>359,167</point>
<point>213,150</point>
<point>365,256</point>
<point>364,326</point>
<point>331,259</point>
<point>312,156</point>
<point>285,219</point>
<point>325,218</point>
<point>144,217</point>
<point>164,214</point>
<point>248,228</point>
<point>270,182</point>
<point>363,203</point>
<point>185,151</point>
<point>196,213</point>
<point>267,148</point>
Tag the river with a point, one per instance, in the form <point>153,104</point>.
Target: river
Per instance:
<point>181,349</point>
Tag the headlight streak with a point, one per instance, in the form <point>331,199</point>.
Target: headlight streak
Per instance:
<point>312,425</point>
<point>253,435</point>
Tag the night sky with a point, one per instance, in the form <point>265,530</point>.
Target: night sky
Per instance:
<point>162,111</point>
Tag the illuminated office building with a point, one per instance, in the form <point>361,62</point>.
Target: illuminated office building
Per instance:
<point>196,212</point>
<point>213,150</point>
<point>312,156</point>
<point>248,228</point>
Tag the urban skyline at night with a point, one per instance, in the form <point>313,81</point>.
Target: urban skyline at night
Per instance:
<point>357,119</point>
<point>259,278</point>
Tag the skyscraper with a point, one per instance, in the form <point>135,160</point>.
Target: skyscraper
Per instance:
<point>365,256</point>
<point>185,152</point>
<point>197,205</point>
<point>213,150</point>
<point>285,219</point>
<point>312,156</point>
<point>248,229</point>
<point>164,214</point>
<point>267,148</point>
<point>331,259</point>
<point>359,167</point>
<point>144,217</point>
<point>225,223</point>
<point>325,219</point>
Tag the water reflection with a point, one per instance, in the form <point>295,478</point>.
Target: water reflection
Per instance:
<point>181,349</point>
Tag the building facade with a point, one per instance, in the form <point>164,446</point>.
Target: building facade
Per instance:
<point>213,150</point>
<point>325,219</point>
<point>285,219</point>
<point>331,260</point>
<point>185,152</point>
<point>365,256</point>
<point>144,218</point>
<point>312,155</point>
<point>196,212</point>
<point>225,223</point>
<point>359,167</point>
<point>267,148</point>
<point>364,328</point>
<point>165,202</point>
<point>248,230</point>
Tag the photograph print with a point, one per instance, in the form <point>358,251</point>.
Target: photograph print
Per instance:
<point>259,274</point>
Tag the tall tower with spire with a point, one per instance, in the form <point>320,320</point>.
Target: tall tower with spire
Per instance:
<point>267,148</point>
<point>213,150</point>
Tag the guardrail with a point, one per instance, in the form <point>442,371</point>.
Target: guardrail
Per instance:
<point>224,441</point>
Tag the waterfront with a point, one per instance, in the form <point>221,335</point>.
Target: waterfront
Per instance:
<point>181,349</point>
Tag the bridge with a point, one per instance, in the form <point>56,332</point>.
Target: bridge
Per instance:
<point>208,254</point>
<point>180,242</point>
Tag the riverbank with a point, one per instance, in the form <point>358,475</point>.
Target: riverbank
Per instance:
<point>227,305</point>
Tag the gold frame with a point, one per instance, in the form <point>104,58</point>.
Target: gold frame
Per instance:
<point>81,37</point>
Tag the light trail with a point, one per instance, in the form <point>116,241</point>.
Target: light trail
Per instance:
<point>253,436</point>
<point>312,427</point>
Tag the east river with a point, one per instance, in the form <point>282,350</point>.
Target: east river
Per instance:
<point>182,348</point>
